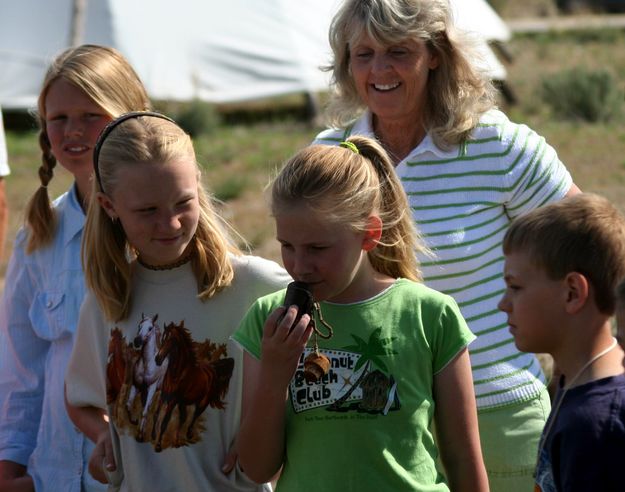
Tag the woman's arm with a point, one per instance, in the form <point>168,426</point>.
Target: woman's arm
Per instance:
<point>457,428</point>
<point>93,422</point>
<point>265,384</point>
<point>573,190</point>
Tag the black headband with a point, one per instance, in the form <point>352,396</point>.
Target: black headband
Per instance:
<point>109,128</point>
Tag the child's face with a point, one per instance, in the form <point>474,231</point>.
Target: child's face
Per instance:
<point>329,257</point>
<point>620,327</point>
<point>534,304</point>
<point>158,207</point>
<point>73,123</point>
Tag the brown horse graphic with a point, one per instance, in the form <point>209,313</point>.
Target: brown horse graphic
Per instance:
<point>189,379</point>
<point>116,365</point>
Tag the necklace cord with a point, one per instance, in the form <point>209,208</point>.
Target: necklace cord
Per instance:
<point>170,266</point>
<point>329,329</point>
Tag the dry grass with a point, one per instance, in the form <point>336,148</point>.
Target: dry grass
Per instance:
<point>595,154</point>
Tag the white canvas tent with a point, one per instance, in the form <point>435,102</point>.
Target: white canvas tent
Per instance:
<point>478,17</point>
<point>213,50</point>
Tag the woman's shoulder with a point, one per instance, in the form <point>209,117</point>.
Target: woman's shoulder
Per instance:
<point>499,141</point>
<point>494,125</point>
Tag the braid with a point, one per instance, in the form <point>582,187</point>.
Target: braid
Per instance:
<point>48,161</point>
<point>40,216</point>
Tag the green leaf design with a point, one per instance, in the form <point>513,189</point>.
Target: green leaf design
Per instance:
<point>372,350</point>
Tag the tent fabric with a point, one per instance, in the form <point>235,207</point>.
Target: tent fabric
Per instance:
<point>212,50</point>
<point>478,16</point>
<point>32,33</point>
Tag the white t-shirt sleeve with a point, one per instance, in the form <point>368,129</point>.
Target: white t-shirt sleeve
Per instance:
<point>85,383</point>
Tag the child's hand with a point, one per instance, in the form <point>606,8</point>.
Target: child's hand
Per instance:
<point>102,460</point>
<point>13,478</point>
<point>283,346</point>
<point>230,460</point>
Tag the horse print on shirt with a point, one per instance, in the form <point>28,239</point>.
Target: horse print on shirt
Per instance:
<point>159,384</point>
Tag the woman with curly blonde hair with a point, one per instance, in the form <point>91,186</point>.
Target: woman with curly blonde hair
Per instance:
<point>403,74</point>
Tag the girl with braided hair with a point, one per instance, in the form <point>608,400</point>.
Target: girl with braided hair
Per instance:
<point>84,88</point>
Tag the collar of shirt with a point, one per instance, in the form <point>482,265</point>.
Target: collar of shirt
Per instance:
<point>364,126</point>
<point>72,216</point>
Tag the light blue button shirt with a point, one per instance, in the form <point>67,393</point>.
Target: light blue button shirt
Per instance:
<point>38,317</point>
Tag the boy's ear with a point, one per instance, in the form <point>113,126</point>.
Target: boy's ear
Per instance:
<point>106,203</point>
<point>577,292</point>
<point>373,233</point>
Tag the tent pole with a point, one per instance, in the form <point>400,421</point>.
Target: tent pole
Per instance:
<point>78,22</point>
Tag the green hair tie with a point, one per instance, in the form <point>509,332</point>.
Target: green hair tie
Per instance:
<point>351,146</point>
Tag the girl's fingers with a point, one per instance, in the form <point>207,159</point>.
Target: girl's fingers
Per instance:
<point>96,464</point>
<point>282,323</point>
<point>301,331</point>
<point>271,323</point>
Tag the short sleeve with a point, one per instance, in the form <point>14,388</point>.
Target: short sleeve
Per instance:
<point>449,335</point>
<point>536,175</point>
<point>85,379</point>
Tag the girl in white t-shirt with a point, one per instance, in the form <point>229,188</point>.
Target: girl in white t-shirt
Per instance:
<point>168,288</point>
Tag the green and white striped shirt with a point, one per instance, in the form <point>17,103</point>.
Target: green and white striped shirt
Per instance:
<point>463,200</point>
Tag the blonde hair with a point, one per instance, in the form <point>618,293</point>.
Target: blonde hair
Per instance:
<point>106,253</point>
<point>106,77</point>
<point>347,187</point>
<point>458,91</point>
<point>584,233</point>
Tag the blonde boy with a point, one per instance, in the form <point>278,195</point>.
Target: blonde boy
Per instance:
<point>562,264</point>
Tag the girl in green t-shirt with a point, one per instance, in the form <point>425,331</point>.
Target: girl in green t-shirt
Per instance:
<point>390,354</point>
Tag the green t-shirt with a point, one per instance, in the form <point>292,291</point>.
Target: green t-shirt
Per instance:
<point>367,424</point>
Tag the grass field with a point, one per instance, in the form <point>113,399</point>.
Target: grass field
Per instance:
<point>239,158</point>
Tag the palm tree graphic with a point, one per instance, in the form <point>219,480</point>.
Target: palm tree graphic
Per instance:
<point>370,352</point>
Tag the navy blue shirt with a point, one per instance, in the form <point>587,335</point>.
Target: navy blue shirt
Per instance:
<point>585,447</point>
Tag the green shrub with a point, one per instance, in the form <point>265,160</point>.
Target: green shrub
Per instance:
<point>230,188</point>
<point>198,118</point>
<point>589,95</point>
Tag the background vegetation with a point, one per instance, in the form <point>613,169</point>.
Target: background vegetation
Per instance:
<point>241,146</point>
